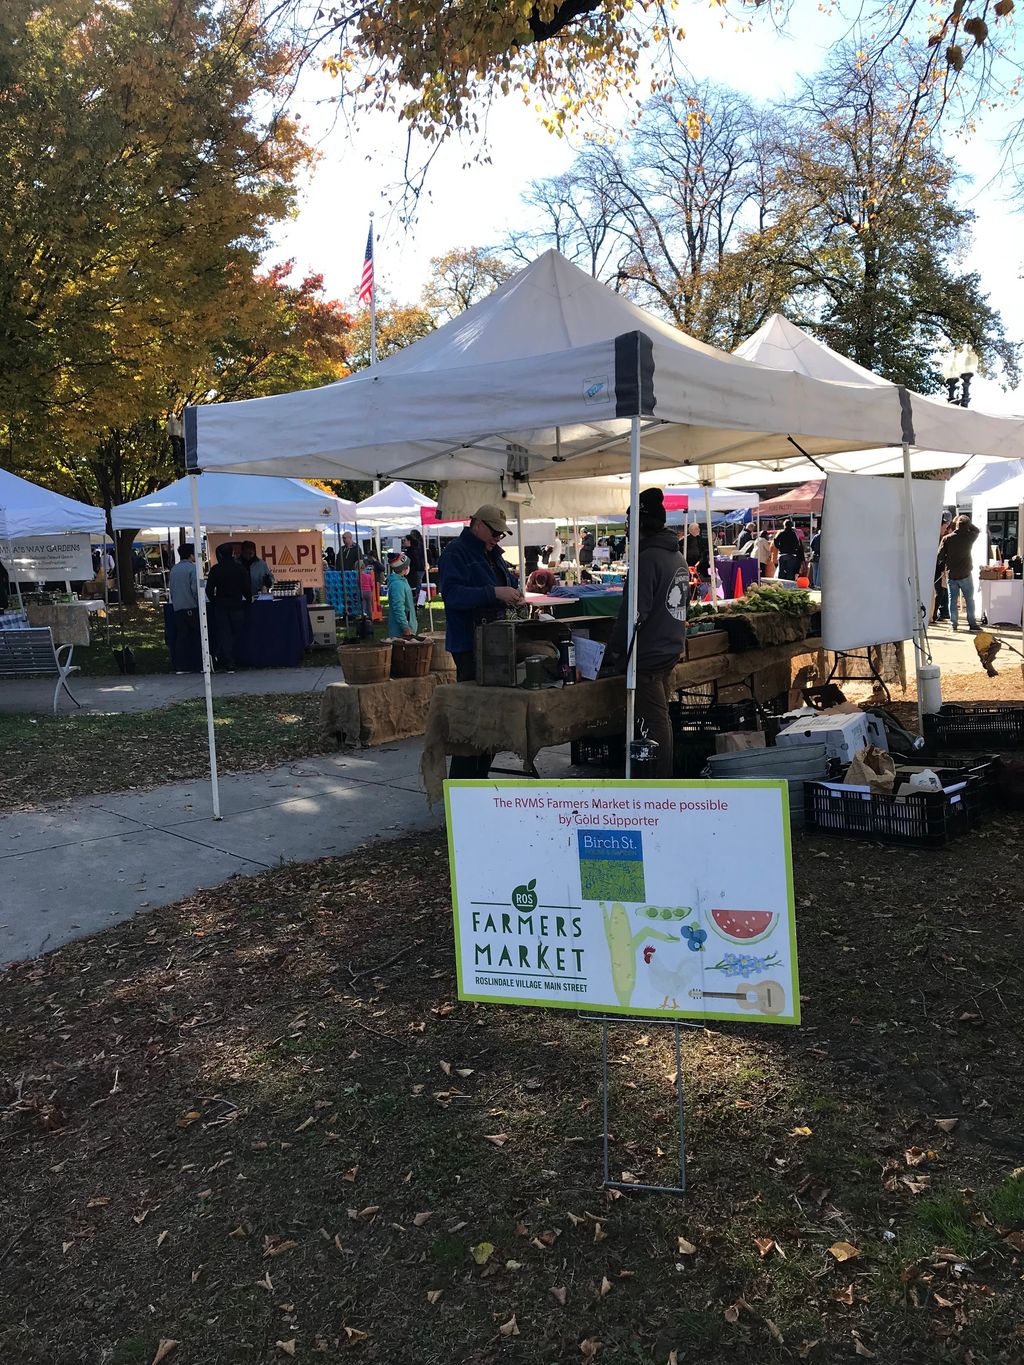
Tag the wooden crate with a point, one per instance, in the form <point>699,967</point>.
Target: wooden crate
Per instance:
<point>707,645</point>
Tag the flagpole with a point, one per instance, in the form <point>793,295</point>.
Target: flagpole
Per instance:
<point>373,299</point>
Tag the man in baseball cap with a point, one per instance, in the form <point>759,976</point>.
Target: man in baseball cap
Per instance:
<point>477,584</point>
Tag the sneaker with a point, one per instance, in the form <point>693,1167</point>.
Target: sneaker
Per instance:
<point>972,629</point>
<point>954,627</point>
<point>179,672</point>
<point>231,670</point>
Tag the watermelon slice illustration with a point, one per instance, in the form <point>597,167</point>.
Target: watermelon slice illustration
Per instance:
<point>744,926</point>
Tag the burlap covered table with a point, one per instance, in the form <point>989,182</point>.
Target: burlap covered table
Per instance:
<point>467,719</point>
<point>376,713</point>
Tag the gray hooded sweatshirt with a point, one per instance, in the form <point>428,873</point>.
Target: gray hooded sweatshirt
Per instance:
<point>663,590</point>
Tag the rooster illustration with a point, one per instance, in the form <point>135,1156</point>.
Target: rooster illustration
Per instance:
<point>669,979</point>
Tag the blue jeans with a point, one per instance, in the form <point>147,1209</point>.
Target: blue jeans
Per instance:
<point>815,573</point>
<point>965,586</point>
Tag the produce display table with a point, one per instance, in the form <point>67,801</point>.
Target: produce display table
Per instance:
<point>1001,600</point>
<point>735,573</point>
<point>467,719</point>
<point>377,713</point>
<point>277,634</point>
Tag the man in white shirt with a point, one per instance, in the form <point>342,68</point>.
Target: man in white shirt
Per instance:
<point>761,550</point>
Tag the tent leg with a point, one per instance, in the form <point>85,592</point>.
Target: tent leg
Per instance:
<point>522,547</point>
<point>632,587</point>
<point>920,637</point>
<point>204,641</point>
<point>712,572</point>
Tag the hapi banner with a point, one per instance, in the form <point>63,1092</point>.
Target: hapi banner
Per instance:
<point>672,899</point>
<point>291,556</point>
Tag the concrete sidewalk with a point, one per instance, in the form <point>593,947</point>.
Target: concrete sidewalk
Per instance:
<point>147,691</point>
<point>71,869</point>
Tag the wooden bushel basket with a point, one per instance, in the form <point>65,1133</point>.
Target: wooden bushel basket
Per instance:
<point>411,658</point>
<point>365,663</point>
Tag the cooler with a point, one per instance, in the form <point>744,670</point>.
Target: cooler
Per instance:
<point>842,734</point>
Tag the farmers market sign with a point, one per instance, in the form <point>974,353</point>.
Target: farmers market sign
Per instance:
<point>670,899</point>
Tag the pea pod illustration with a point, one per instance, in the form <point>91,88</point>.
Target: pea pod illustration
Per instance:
<point>622,946</point>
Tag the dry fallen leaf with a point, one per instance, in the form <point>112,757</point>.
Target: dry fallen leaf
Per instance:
<point>272,1246</point>
<point>559,1293</point>
<point>353,1334</point>
<point>599,1233</point>
<point>162,1238</point>
<point>482,1252</point>
<point>513,1266</point>
<point>684,1247</point>
<point>266,1283</point>
<point>510,1328</point>
<point>100,1202</point>
<point>164,1349</point>
<point>351,1174</point>
<point>606,1286</point>
<point>764,1245</point>
<point>433,1295</point>
<point>446,1067</point>
<point>422,1218</point>
<point>946,1125</point>
<point>497,1139</point>
<point>861,1350</point>
<point>843,1251</point>
<point>802,1132</point>
<point>286,1347</point>
<point>589,1347</point>
<point>844,1295</point>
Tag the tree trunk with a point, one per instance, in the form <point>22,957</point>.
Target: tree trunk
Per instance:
<point>125,576</point>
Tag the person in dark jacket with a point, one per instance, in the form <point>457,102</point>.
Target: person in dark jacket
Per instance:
<point>229,590</point>
<point>588,543</point>
<point>791,552</point>
<point>746,537</point>
<point>694,548</point>
<point>349,553</point>
<point>417,561</point>
<point>477,585</point>
<point>956,555</point>
<point>815,548</point>
<point>663,589</point>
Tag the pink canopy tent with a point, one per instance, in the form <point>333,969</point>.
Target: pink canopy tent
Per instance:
<point>805,501</point>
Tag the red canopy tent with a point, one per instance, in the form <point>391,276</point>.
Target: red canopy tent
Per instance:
<point>805,501</point>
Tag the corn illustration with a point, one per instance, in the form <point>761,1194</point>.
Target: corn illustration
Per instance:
<point>622,946</point>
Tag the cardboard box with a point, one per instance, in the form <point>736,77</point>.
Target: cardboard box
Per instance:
<point>736,741</point>
<point>842,735</point>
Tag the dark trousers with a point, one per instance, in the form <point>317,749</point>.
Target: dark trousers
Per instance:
<point>186,640</point>
<point>468,765</point>
<point>652,694</point>
<point>229,631</point>
<point>415,581</point>
<point>789,566</point>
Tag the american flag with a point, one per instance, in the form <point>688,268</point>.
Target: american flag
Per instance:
<point>366,283</point>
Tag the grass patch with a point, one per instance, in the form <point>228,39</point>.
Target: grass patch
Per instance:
<point>46,758</point>
<point>300,1099</point>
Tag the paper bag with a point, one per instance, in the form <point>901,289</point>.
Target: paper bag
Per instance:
<point>872,768</point>
<point>736,741</point>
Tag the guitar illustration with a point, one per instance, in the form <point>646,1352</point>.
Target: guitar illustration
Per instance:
<point>767,997</point>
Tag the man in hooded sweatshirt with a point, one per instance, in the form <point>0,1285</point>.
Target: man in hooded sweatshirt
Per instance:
<point>229,590</point>
<point>956,554</point>
<point>663,590</point>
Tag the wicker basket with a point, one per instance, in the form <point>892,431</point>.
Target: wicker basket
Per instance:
<point>365,663</point>
<point>441,661</point>
<point>411,658</point>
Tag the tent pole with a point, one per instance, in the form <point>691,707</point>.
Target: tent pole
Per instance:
<point>204,643</point>
<point>1020,555</point>
<point>632,586</point>
<point>575,542</point>
<point>920,635</point>
<point>426,574</point>
<point>712,571</point>
<point>522,547</point>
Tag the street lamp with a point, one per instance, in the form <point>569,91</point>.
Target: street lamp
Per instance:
<point>958,369</point>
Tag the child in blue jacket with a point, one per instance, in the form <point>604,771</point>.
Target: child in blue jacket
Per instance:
<point>401,603</point>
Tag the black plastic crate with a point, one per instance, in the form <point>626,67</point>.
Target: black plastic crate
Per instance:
<point>608,751</point>
<point>718,718</point>
<point>983,768</point>
<point>975,725</point>
<point>924,820</point>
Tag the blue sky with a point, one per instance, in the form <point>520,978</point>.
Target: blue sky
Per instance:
<point>467,204</point>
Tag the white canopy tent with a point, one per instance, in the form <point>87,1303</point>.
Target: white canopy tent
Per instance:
<point>233,500</point>
<point>606,382</point>
<point>978,476</point>
<point>26,509</point>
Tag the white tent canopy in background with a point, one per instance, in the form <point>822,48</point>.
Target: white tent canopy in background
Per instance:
<point>231,500</point>
<point>396,502</point>
<point>982,476</point>
<point>26,509</point>
<point>554,365</point>
<point>583,499</point>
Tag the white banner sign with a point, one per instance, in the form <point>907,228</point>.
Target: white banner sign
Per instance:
<point>40,559</point>
<point>672,899</point>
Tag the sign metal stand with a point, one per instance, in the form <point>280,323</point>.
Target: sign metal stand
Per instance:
<point>677,1026</point>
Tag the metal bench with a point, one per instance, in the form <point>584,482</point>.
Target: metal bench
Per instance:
<point>25,652</point>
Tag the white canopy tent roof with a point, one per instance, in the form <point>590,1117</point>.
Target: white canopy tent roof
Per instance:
<point>982,476</point>
<point>783,345</point>
<point>553,365</point>
<point>230,500</point>
<point>26,509</point>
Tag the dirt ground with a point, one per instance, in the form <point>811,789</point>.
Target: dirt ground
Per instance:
<point>258,1126</point>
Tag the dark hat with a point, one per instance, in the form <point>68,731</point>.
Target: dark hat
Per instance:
<point>652,506</point>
